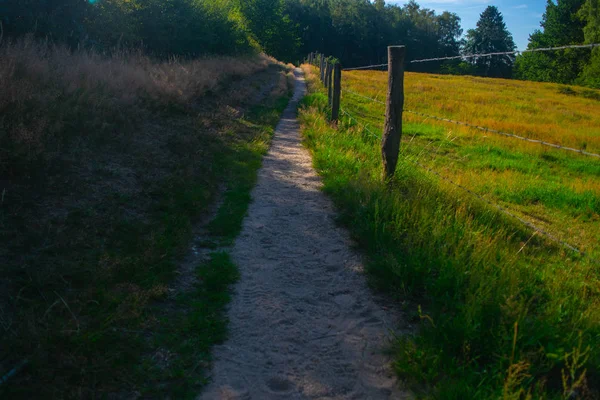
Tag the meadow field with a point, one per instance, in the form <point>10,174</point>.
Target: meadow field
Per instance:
<point>558,191</point>
<point>502,310</point>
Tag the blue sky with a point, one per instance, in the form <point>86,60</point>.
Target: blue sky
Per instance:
<point>522,17</point>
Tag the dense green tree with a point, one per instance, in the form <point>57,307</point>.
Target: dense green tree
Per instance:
<point>491,36</point>
<point>160,27</point>
<point>271,27</point>
<point>590,14</point>
<point>561,26</point>
<point>359,31</point>
<point>449,32</point>
<point>355,31</point>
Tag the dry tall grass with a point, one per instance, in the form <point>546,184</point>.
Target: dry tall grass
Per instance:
<point>47,90</point>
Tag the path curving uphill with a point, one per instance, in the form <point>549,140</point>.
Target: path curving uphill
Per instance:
<point>303,323</point>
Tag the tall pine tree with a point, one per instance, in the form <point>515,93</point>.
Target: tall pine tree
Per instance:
<point>590,13</point>
<point>491,36</point>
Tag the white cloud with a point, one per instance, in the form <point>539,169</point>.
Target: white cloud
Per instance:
<point>520,6</point>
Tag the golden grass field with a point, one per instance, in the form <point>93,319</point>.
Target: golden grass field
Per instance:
<point>531,109</point>
<point>556,190</point>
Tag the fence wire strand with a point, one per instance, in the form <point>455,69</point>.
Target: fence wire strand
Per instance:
<point>365,67</point>
<point>501,53</point>
<point>359,124</point>
<point>484,129</point>
<point>363,96</point>
<point>508,53</point>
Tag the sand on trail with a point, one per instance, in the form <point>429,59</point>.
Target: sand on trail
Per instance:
<point>303,323</point>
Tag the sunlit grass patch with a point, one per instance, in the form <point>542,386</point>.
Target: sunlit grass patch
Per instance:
<point>491,164</point>
<point>531,109</point>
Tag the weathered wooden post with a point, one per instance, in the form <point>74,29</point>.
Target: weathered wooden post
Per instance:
<point>326,76</point>
<point>310,58</point>
<point>392,129</point>
<point>322,68</point>
<point>330,83</point>
<point>337,90</point>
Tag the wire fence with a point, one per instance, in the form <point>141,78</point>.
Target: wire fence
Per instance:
<point>483,128</point>
<point>472,193</point>
<point>468,56</point>
<point>365,67</point>
<point>509,53</point>
<point>359,124</point>
<point>415,160</point>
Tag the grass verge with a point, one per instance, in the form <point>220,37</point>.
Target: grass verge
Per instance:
<point>501,312</point>
<point>189,332</point>
<point>196,321</point>
<point>100,203</point>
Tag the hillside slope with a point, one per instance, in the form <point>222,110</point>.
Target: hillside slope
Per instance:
<point>105,165</point>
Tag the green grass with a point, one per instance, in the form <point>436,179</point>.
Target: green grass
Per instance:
<point>189,333</point>
<point>554,196</point>
<point>493,166</point>
<point>500,312</point>
<point>244,163</point>
<point>197,321</point>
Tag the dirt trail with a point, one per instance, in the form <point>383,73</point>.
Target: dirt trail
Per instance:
<point>303,323</point>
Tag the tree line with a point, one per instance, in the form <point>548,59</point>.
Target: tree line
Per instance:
<point>356,32</point>
<point>565,22</point>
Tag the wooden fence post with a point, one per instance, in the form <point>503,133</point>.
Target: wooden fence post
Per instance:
<point>326,71</point>
<point>337,90</point>
<point>392,129</point>
<point>330,84</point>
<point>322,69</point>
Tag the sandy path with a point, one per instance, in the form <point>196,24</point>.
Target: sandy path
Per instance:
<point>303,323</point>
